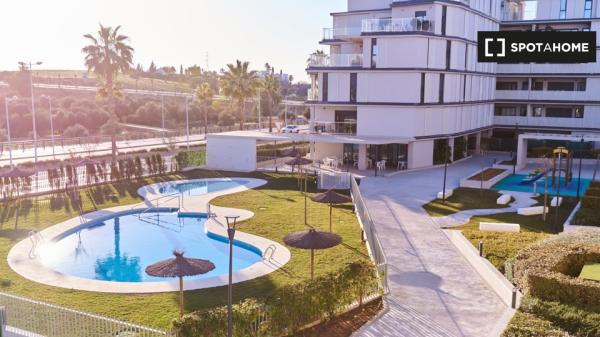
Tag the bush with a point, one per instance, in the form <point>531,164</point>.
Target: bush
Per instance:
<point>586,217</point>
<point>528,325</point>
<point>289,308</point>
<point>549,270</point>
<point>76,130</point>
<point>593,191</point>
<point>190,158</point>
<point>590,202</point>
<point>574,320</point>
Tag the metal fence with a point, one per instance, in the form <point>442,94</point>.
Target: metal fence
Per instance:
<point>370,235</point>
<point>39,318</point>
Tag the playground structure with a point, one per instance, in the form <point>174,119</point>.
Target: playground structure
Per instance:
<point>560,153</point>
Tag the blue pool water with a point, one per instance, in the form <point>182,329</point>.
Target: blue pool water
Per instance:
<point>119,249</point>
<point>200,187</point>
<point>513,183</point>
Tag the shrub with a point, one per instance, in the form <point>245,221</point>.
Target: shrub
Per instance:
<point>549,270</point>
<point>593,191</point>
<point>190,158</point>
<point>528,325</point>
<point>76,130</point>
<point>586,217</point>
<point>574,320</point>
<point>289,308</point>
<point>590,202</point>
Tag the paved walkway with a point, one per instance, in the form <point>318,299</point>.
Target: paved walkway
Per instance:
<point>433,290</point>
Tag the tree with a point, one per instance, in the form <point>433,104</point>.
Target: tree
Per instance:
<point>317,54</point>
<point>106,56</point>
<point>152,68</point>
<point>272,94</point>
<point>204,95</point>
<point>181,69</point>
<point>239,84</point>
<point>75,131</point>
<point>193,71</point>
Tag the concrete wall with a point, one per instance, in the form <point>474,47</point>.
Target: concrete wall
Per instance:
<point>420,154</point>
<point>323,150</point>
<point>231,153</point>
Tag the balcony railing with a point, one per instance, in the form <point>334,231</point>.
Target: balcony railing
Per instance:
<point>340,32</point>
<point>312,95</point>
<point>340,128</point>
<point>336,60</point>
<point>395,25</point>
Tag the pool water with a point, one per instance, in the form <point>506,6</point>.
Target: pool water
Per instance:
<point>120,249</point>
<point>514,183</point>
<point>200,187</point>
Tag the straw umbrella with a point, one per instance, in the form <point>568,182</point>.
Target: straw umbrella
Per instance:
<point>291,153</point>
<point>330,197</point>
<point>180,267</point>
<point>300,162</point>
<point>16,173</point>
<point>312,239</point>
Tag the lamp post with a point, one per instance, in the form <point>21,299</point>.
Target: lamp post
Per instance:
<point>516,148</point>
<point>51,123</point>
<point>33,108</point>
<point>187,122</point>
<point>446,155</point>
<point>231,223</point>
<point>6,101</point>
<point>580,162</point>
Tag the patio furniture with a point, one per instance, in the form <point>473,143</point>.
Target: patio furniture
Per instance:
<point>401,165</point>
<point>536,210</point>
<point>499,227</point>
<point>504,199</point>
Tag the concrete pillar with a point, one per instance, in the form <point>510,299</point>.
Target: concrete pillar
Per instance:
<point>420,154</point>
<point>521,152</point>
<point>451,144</point>
<point>478,143</point>
<point>312,151</point>
<point>362,157</point>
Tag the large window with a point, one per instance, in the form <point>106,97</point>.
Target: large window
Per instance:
<point>444,11</point>
<point>441,94</point>
<point>374,53</point>
<point>506,85</point>
<point>325,87</point>
<point>353,84</point>
<point>511,111</point>
<point>561,86</point>
<point>562,14</point>
<point>422,88</point>
<point>448,53</point>
<point>587,9</point>
<point>559,112</point>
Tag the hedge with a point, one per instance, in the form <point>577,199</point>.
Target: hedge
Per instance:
<point>549,270</point>
<point>576,321</point>
<point>586,217</point>
<point>528,325</point>
<point>190,158</point>
<point>593,191</point>
<point>590,202</point>
<point>288,309</point>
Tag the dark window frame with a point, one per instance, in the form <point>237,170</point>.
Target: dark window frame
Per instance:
<point>374,52</point>
<point>441,88</point>
<point>325,87</point>
<point>587,12</point>
<point>444,13</point>
<point>422,88</point>
<point>562,13</point>
<point>448,54</point>
<point>353,87</point>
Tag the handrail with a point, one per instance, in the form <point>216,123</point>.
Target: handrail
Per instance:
<point>271,248</point>
<point>170,196</point>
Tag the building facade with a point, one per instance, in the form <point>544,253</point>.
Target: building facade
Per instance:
<point>401,81</point>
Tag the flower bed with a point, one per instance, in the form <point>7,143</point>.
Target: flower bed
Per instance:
<point>490,177</point>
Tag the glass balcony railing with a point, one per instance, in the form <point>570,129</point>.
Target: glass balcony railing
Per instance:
<point>340,128</point>
<point>395,25</point>
<point>336,60</point>
<point>340,32</point>
<point>312,95</point>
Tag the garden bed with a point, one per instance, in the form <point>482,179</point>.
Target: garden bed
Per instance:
<point>464,199</point>
<point>589,212</point>
<point>485,178</point>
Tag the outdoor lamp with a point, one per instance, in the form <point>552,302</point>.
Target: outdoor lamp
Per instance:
<point>231,223</point>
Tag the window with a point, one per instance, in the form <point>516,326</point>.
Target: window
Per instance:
<point>448,53</point>
<point>537,85</point>
<point>353,82</point>
<point>466,55</point>
<point>374,53</point>
<point>441,94</point>
<point>537,111</point>
<point>561,86</point>
<point>559,112</point>
<point>506,85</point>
<point>578,112</point>
<point>444,10</point>
<point>464,87</point>
<point>511,111</point>
<point>581,86</point>
<point>525,85</point>
<point>562,14</point>
<point>325,87</point>
<point>587,9</point>
<point>420,14</point>
<point>422,88</point>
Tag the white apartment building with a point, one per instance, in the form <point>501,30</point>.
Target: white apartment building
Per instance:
<point>401,80</point>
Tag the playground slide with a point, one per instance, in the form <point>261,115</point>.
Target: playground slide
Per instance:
<point>531,179</point>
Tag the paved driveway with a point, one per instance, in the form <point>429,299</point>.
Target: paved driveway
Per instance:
<point>434,290</point>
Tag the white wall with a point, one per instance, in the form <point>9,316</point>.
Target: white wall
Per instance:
<point>323,150</point>
<point>231,153</point>
<point>389,87</point>
<point>356,5</point>
<point>420,154</point>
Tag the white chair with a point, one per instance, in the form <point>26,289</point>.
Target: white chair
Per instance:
<point>401,165</point>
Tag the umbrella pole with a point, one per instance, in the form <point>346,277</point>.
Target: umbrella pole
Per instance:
<point>305,205</point>
<point>312,264</point>
<point>330,212</point>
<point>181,296</point>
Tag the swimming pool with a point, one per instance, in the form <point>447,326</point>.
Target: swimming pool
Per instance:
<point>514,183</point>
<point>120,248</point>
<point>200,186</point>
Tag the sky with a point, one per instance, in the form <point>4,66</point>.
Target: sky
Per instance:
<point>168,32</point>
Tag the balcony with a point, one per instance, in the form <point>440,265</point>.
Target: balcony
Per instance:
<point>336,60</point>
<point>544,95</point>
<point>542,121</point>
<point>340,32</point>
<point>312,95</point>
<point>397,25</point>
<point>337,128</point>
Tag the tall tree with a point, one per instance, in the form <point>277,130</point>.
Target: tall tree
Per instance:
<point>106,56</point>
<point>204,95</point>
<point>239,84</point>
<point>272,94</point>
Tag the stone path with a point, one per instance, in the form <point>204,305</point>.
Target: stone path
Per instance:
<point>433,289</point>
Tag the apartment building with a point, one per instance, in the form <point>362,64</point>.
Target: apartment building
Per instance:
<point>401,81</point>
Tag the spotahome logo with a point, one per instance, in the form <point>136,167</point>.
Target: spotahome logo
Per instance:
<point>536,47</point>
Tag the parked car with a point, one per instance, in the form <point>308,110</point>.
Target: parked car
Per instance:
<point>291,129</point>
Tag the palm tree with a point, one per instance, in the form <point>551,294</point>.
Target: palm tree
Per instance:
<point>106,56</point>
<point>239,84</point>
<point>271,89</point>
<point>316,55</point>
<point>204,95</point>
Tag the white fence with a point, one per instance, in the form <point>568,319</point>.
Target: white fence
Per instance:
<point>370,235</point>
<point>334,180</point>
<point>36,318</point>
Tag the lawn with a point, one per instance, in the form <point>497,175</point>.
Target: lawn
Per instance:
<point>279,209</point>
<point>591,271</point>
<point>463,199</point>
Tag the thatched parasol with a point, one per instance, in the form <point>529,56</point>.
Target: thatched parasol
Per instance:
<point>180,267</point>
<point>16,172</point>
<point>290,153</point>
<point>85,162</point>
<point>312,239</point>
<point>330,197</point>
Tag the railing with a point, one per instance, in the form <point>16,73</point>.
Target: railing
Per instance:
<point>51,320</point>
<point>343,128</point>
<point>312,95</point>
<point>395,25</point>
<point>164,199</point>
<point>370,235</point>
<point>336,60</point>
<point>338,32</point>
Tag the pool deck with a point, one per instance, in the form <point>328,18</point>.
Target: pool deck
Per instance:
<point>23,260</point>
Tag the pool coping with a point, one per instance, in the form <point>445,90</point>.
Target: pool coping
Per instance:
<point>24,262</point>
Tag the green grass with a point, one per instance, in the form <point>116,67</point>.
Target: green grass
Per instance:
<point>500,246</point>
<point>463,199</point>
<point>279,209</point>
<point>591,271</point>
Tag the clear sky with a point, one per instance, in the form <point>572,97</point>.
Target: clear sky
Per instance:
<point>169,32</point>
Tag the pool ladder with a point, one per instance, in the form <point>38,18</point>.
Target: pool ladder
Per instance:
<point>35,237</point>
<point>272,248</point>
<point>160,200</point>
